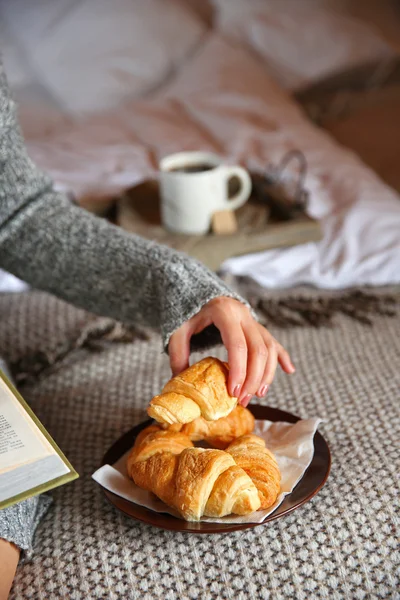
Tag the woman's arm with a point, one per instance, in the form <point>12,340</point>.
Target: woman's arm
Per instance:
<point>58,247</point>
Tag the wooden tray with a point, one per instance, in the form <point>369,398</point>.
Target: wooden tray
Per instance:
<point>138,212</point>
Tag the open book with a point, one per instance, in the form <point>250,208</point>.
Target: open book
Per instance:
<point>30,461</point>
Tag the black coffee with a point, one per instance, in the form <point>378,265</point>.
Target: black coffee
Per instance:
<point>198,168</point>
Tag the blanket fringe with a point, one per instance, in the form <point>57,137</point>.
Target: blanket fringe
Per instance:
<point>302,311</point>
<point>93,337</point>
<point>288,312</point>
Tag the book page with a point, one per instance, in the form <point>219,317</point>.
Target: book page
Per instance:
<point>31,475</point>
<point>21,441</point>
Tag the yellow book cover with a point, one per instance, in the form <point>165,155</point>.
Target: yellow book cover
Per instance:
<point>30,460</point>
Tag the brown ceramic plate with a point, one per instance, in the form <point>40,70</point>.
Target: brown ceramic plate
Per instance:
<point>310,484</point>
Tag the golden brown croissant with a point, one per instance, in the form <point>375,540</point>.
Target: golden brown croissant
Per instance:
<point>194,481</point>
<point>199,391</point>
<point>252,456</point>
<point>219,433</point>
<point>152,440</point>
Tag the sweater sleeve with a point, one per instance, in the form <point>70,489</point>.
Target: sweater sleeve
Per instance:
<point>60,248</point>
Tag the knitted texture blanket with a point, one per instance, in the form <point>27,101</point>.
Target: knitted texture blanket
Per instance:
<point>341,545</point>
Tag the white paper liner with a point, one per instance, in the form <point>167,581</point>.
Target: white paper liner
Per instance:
<point>292,444</point>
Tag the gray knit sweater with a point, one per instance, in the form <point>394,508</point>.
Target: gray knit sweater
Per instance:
<point>58,247</point>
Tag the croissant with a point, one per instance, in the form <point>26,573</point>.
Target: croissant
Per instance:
<point>252,456</point>
<point>219,433</point>
<point>152,440</point>
<point>194,481</point>
<point>199,391</point>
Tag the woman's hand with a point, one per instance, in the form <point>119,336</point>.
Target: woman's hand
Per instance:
<point>253,353</point>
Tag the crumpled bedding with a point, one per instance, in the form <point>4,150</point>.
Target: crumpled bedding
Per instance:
<point>218,92</point>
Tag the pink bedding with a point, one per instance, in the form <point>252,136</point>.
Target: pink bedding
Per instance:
<point>221,96</point>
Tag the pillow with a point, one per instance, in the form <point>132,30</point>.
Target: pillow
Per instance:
<point>18,74</point>
<point>39,113</point>
<point>94,54</point>
<point>301,41</point>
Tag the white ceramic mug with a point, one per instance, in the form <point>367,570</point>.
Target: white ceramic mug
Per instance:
<point>193,186</point>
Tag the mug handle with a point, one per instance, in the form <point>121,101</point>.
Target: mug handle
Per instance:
<point>243,194</point>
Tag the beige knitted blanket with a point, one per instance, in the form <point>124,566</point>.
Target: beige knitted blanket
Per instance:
<point>341,545</point>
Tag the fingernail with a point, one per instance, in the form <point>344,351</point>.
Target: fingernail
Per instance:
<point>236,391</point>
<point>292,368</point>
<point>263,390</point>
<point>246,399</point>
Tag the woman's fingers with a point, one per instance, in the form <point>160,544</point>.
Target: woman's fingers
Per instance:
<point>284,360</point>
<point>270,365</point>
<point>256,360</point>
<point>179,349</point>
<point>235,342</point>
<point>262,362</point>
